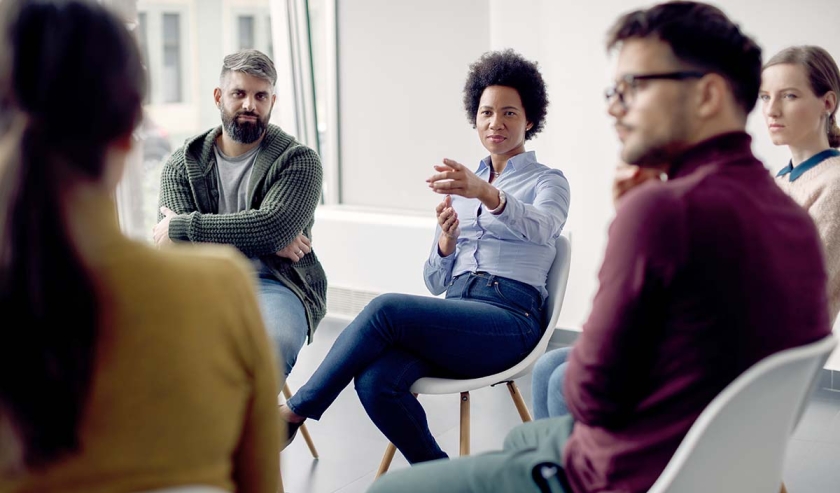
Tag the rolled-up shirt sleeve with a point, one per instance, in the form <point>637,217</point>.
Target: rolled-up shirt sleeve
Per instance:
<point>542,221</point>
<point>437,272</point>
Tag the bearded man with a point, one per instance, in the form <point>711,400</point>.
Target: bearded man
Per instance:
<point>248,184</point>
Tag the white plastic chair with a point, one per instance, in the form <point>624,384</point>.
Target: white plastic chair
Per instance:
<point>556,281</point>
<point>833,362</point>
<point>738,442</point>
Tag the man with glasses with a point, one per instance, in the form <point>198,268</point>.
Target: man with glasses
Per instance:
<point>697,282</point>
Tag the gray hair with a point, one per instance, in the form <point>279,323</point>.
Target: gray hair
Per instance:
<point>251,62</point>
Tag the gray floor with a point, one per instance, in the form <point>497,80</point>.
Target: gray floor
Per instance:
<point>350,447</point>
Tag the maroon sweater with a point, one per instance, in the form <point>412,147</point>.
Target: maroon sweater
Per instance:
<point>703,276</point>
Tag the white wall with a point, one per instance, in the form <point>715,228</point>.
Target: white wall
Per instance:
<point>402,67</point>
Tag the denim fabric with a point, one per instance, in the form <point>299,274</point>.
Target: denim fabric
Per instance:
<point>485,325</point>
<point>284,318</point>
<point>547,384</point>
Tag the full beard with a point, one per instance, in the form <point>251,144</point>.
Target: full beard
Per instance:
<point>244,133</point>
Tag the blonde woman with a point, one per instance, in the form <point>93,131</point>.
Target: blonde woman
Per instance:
<point>800,86</point>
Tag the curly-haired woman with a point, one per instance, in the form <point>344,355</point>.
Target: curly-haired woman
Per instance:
<point>493,246</point>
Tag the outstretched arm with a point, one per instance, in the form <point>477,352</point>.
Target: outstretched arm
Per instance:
<point>540,222</point>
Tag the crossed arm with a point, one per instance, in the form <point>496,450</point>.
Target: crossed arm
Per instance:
<point>275,227</point>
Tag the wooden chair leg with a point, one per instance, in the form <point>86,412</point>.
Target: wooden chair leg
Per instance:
<point>308,439</point>
<point>519,402</point>
<point>386,460</point>
<point>287,393</point>
<point>465,423</point>
<point>783,490</point>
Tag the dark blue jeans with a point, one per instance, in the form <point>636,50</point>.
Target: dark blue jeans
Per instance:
<point>485,325</point>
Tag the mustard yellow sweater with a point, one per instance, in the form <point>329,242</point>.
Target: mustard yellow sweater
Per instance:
<point>818,191</point>
<point>185,389</point>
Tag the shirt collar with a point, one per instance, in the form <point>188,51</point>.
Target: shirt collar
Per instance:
<point>799,170</point>
<point>519,161</point>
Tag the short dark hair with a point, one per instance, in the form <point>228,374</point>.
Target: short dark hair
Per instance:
<point>823,76</point>
<point>510,69</point>
<point>701,36</point>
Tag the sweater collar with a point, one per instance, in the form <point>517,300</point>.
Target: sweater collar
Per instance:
<point>730,147</point>
<point>811,162</point>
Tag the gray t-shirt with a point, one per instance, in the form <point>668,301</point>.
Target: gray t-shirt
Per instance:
<point>234,175</point>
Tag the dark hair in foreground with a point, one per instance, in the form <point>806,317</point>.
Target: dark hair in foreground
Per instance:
<point>71,84</point>
<point>508,68</point>
<point>702,37</point>
<point>823,76</point>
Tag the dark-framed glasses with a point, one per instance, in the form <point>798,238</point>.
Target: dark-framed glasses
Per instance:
<point>624,89</point>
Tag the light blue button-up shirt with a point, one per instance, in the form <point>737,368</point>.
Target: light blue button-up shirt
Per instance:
<point>519,243</point>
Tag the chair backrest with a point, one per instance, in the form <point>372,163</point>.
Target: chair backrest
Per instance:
<point>833,362</point>
<point>555,284</point>
<point>556,281</point>
<point>738,442</point>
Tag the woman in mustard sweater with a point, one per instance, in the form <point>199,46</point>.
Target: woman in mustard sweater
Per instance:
<point>799,93</point>
<point>122,368</point>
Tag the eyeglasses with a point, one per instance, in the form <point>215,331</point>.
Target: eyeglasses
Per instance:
<point>625,89</point>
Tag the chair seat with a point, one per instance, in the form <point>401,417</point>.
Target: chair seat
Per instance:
<point>556,281</point>
<point>432,385</point>
<point>558,276</point>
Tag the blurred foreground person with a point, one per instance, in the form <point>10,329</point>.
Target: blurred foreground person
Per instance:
<point>122,368</point>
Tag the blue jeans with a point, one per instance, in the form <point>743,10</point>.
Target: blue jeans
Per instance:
<point>284,318</point>
<point>486,324</point>
<point>547,384</point>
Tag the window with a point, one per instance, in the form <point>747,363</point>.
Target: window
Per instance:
<point>143,41</point>
<point>143,37</point>
<point>183,43</point>
<point>270,49</point>
<point>172,58</point>
<point>246,32</point>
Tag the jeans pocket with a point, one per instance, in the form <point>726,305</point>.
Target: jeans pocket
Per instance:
<point>455,289</point>
<point>516,298</point>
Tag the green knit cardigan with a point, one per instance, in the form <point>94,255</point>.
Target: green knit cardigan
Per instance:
<point>285,188</point>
